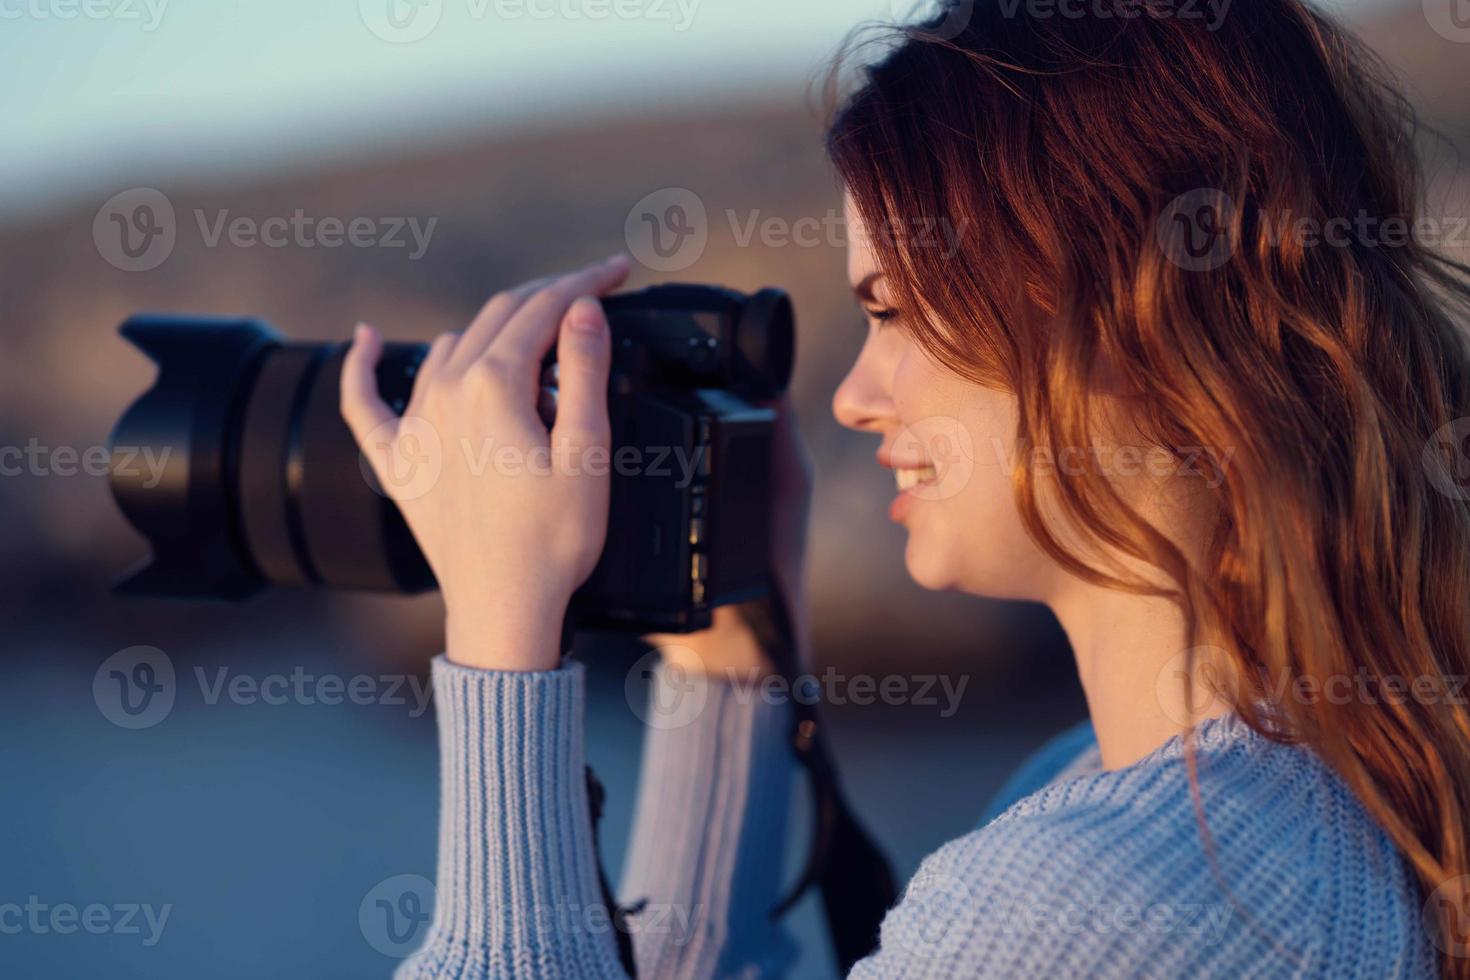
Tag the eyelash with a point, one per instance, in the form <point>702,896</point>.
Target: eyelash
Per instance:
<point>881,316</point>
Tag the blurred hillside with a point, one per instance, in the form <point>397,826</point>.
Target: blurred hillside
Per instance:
<point>506,209</point>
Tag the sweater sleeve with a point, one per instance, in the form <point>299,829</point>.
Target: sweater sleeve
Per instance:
<point>517,885</point>
<point>709,831</point>
<point>518,892</point>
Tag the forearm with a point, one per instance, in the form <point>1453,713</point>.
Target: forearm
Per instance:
<point>517,882</point>
<point>709,832</point>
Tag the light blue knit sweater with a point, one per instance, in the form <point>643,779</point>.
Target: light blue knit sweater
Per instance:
<point>1078,872</point>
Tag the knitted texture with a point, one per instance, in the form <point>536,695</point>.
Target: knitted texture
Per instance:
<point>1085,872</point>
<point>517,880</point>
<point>1106,874</point>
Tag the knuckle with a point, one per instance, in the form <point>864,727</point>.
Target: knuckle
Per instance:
<point>495,370</point>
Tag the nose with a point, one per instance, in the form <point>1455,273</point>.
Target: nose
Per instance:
<point>863,400</point>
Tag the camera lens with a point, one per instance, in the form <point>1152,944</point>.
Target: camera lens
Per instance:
<point>765,339</point>
<point>264,483</point>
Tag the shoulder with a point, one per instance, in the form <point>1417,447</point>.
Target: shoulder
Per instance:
<point>1110,872</point>
<point>1042,766</point>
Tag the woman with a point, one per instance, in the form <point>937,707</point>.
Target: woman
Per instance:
<point>1268,627</point>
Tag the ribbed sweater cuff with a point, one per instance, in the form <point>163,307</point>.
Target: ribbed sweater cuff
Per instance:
<point>518,890</point>
<point>710,832</point>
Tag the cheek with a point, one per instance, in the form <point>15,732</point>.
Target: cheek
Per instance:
<point>968,534</point>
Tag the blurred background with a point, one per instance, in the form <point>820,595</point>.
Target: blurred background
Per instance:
<point>483,142</point>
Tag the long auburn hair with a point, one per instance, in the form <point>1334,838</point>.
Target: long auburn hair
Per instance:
<point>1069,147</point>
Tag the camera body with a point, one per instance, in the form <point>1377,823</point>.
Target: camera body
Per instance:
<point>264,485</point>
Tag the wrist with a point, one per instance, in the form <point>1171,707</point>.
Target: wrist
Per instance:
<point>505,631</point>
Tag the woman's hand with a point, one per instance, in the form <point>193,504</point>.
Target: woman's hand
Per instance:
<point>508,514</point>
<point>729,647</point>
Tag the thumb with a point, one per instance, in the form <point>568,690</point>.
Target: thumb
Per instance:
<point>584,356</point>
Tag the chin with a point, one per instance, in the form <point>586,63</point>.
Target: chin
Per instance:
<point>939,566</point>
<point>928,566</point>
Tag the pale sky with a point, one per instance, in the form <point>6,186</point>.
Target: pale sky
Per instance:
<point>96,94</point>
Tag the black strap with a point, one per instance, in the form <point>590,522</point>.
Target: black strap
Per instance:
<point>617,914</point>
<point>854,877</point>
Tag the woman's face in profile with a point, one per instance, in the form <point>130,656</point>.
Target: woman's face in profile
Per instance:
<point>949,443</point>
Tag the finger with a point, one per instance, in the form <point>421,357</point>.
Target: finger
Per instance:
<point>429,369</point>
<point>531,331</point>
<point>584,351</point>
<point>492,316</point>
<point>362,407</point>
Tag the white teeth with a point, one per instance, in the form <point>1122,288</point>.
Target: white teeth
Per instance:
<point>910,478</point>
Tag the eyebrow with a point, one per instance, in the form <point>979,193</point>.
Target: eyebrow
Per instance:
<point>864,287</point>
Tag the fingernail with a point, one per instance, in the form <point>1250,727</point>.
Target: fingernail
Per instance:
<point>617,258</point>
<point>586,316</point>
<point>359,333</point>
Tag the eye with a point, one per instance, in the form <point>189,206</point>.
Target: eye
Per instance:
<point>880,315</point>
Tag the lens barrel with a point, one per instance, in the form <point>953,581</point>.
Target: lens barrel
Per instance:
<point>263,483</point>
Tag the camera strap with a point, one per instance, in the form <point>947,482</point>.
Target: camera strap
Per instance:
<point>843,862</point>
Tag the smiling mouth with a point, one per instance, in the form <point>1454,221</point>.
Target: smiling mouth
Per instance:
<point>908,478</point>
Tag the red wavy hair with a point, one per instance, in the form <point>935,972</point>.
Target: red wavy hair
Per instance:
<point>1341,544</point>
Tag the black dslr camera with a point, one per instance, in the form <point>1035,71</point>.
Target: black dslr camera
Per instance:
<point>263,483</point>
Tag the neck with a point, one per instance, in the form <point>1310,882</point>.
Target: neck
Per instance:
<point>1129,652</point>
